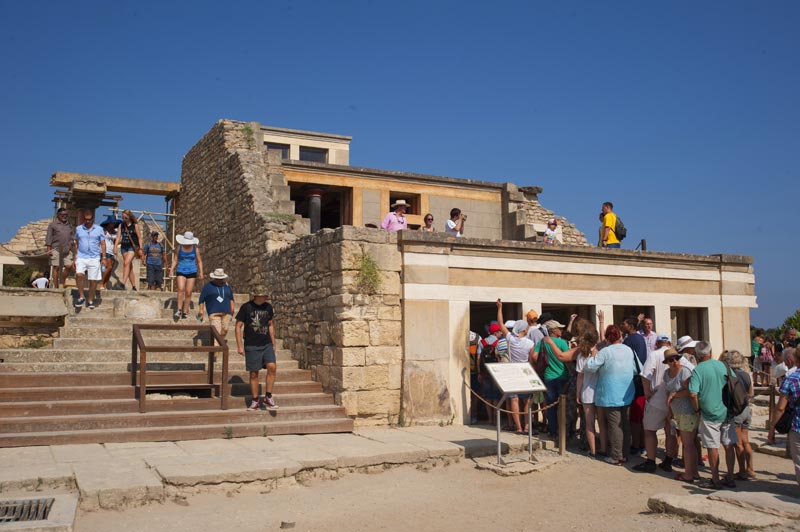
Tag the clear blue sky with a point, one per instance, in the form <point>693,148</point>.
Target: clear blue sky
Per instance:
<point>684,114</point>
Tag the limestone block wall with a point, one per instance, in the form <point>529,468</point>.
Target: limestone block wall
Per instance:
<point>29,239</point>
<point>234,198</point>
<point>484,218</point>
<point>527,218</point>
<point>348,338</point>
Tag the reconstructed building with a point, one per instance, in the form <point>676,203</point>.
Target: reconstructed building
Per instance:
<point>382,319</point>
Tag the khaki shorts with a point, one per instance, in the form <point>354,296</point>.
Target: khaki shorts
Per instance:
<point>220,321</point>
<point>687,422</point>
<point>60,259</point>
<point>712,433</point>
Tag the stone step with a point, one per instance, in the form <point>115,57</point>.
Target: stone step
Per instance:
<point>110,406</point>
<point>60,380</point>
<point>171,419</point>
<point>112,355</point>
<point>126,331</point>
<point>235,364</point>
<point>9,395</point>
<point>265,426</point>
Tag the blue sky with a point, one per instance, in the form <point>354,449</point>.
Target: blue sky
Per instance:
<point>684,114</point>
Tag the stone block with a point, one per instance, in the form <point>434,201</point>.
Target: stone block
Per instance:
<point>327,356</point>
<point>721,513</point>
<point>349,356</point>
<point>346,256</point>
<point>389,313</point>
<point>353,377</point>
<point>383,354</point>
<point>395,376</point>
<point>349,400</point>
<point>117,484</point>
<point>386,256</point>
<point>378,402</point>
<point>390,283</point>
<point>351,334</point>
<point>384,332</point>
<point>355,451</point>
<point>365,312</point>
<point>376,378</point>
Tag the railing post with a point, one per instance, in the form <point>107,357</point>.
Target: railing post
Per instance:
<point>143,382</point>
<point>562,424</point>
<point>134,357</point>
<point>223,387</point>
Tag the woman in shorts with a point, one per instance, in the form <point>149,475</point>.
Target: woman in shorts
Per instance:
<point>679,404</point>
<point>187,265</point>
<point>109,226</point>
<point>744,452</point>
<point>129,242</point>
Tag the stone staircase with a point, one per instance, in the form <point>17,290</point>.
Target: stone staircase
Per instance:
<point>80,391</point>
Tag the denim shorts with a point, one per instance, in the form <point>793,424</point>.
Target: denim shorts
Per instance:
<point>257,357</point>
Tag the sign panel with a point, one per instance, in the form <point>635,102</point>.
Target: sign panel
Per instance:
<point>516,377</point>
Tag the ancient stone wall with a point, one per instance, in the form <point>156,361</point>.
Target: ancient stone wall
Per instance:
<point>528,218</point>
<point>348,337</point>
<point>236,203</point>
<point>29,239</point>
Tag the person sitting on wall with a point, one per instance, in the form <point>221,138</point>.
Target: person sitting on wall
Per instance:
<point>396,220</point>
<point>550,236</point>
<point>455,225</point>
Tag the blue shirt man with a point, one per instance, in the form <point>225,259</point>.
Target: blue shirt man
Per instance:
<point>216,299</point>
<point>89,241</point>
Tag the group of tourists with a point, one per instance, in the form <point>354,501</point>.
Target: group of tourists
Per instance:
<point>625,383</point>
<point>94,249</point>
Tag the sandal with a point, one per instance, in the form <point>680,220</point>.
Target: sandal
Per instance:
<point>679,477</point>
<point>744,475</point>
<point>521,433</point>
<point>728,483</point>
<point>707,483</point>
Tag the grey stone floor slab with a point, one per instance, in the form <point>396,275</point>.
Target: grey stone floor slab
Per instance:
<point>116,484</point>
<point>722,513</point>
<point>210,447</point>
<point>762,501</point>
<point>20,456</point>
<point>435,448</point>
<point>244,467</point>
<point>26,477</point>
<point>86,452</point>
<point>355,451</point>
<point>474,442</point>
<point>132,450</point>
<point>305,452</point>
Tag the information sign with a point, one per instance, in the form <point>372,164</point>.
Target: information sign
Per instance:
<point>516,377</point>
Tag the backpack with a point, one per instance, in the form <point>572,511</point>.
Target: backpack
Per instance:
<point>488,353</point>
<point>734,396</point>
<point>619,230</point>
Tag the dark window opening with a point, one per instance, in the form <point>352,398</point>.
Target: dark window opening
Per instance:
<point>313,155</point>
<point>336,204</point>
<point>688,320</point>
<point>621,312</point>
<point>562,314</point>
<point>413,200</point>
<point>283,148</point>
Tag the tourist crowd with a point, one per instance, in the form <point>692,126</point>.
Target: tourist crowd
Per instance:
<point>625,383</point>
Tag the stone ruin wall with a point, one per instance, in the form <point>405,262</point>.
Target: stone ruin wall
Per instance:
<point>528,218</point>
<point>349,339</point>
<point>231,200</point>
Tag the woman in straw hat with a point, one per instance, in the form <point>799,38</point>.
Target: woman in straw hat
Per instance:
<point>188,266</point>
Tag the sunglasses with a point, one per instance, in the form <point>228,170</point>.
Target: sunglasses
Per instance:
<point>428,219</point>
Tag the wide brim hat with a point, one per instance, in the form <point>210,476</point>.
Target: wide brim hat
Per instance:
<point>187,239</point>
<point>219,273</point>
<point>400,203</point>
<point>685,342</point>
<point>111,220</point>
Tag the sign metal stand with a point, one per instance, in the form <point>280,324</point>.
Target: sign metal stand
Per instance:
<point>512,379</point>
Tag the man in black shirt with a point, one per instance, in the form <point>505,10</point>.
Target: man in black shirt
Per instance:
<point>254,334</point>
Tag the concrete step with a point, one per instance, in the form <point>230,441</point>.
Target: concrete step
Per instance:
<point>170,419</point>
<point>112,355</point>
<point>11,395</point>
<point>110,406</point>
<point>126,331</point>
<point>235,364</point>
<point>60,380</point>
<point>264,426</point>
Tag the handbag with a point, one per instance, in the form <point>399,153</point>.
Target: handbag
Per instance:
<point>542,362</point>
<point>784,424</point>
<point>637,378</point>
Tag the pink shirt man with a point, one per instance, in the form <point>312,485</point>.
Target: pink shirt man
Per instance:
<point>395,220</point>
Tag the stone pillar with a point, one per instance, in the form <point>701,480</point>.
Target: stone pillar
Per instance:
<point>608,315</point>
<point>314,197</point>
<point>662,319</point>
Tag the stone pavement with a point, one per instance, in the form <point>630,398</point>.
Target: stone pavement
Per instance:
<point>120,475</point>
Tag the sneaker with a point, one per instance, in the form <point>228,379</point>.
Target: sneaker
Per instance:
<point>253,405</point>
<point>184,316</point>
<point>666,466</point>
<point>91,304</point>
<point>648,466</point>
<point>613,461</point>
<point>79,303</point>
<point>270,403</point>
<point>178,314</point>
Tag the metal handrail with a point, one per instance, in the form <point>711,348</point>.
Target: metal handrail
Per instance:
<point>138,346</point>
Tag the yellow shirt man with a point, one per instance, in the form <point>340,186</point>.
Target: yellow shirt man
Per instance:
<point>610,221</point>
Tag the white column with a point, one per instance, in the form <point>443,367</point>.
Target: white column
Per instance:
<point>715,331</point>
<point>608,315</point>
<point>460,396</point>
<point>662,321</point>
<point>526,306</point>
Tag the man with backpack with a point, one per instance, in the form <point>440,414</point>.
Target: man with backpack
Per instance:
<point>706,386</point>
<point>613,230</point>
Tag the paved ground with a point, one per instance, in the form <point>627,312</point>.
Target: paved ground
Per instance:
<point>428,480</point>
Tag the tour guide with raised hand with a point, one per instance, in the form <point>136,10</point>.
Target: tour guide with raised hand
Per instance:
<point>254,334</point>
